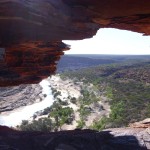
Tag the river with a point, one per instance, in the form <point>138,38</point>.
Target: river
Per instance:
<point>15,117</point>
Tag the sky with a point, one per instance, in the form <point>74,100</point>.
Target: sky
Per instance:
<point>112,41</point>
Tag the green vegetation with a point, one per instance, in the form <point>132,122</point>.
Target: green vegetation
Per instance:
<point>55,92</point>
<point>81,124</point>
<point>73,100</point>
<point>43,124</point>
<point>58,115</point>
<point>88,97</point>
<point>126,86</point>
<point>129,102</point>
<point>109,92</point>
<point>61,116</point>
<point>100,124</point>
<point>84,112</point>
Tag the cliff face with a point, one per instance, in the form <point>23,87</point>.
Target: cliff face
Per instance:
<point>31,31</point>
<point>29,62</point>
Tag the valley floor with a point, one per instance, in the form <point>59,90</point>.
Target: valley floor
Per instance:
<point>70,92</point>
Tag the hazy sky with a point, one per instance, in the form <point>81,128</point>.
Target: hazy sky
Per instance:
<point>112,41</point>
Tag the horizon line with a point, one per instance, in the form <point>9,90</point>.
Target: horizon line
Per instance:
<point>105,54</point>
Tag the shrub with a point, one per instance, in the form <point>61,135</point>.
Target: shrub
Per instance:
<point>100,125</point>
<point>43,124</point>
<point>61,115</point>
<point>73,100</point>
<point>81,124</point>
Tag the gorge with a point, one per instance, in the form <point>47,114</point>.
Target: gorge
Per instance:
<point>15,117</point>
<point>31,34</point>
<point>90,107</point>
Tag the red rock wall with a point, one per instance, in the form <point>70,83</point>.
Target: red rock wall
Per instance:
<point>26,25</point>
<point>30,62</point>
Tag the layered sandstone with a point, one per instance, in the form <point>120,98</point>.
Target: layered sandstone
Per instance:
<point>17,96</point>
<point>31,31</point>
<point>142,124</point>
<point>29,62</point>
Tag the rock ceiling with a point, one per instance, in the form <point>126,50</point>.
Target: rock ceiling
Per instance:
<point>31,31</point>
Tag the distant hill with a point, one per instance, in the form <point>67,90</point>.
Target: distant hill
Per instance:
<point>75,62</point>
<point>126,84</point>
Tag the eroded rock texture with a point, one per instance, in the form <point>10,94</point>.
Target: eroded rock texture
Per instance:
<point>17,96</point>
<point>29,62</point>
<point>31,31</point>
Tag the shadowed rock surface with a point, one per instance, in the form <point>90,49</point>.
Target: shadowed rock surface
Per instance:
<point>31,31</point>
<point>112,139</point>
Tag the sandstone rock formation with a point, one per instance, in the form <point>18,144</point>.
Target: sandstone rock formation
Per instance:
<point>29,62</point>
<point>31,31</point>
<point>142,124</point>
<point>31,34</point>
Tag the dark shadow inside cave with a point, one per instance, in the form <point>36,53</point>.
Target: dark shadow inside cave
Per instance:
<point>2,54</point>
<point>70,140</point>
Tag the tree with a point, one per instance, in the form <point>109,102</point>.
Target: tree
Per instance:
<point>61,115</point>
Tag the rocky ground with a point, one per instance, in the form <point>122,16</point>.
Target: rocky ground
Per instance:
<point>66,87</point>
<point>18,96</point>
<point>70,89</point>
<point>130,138</point>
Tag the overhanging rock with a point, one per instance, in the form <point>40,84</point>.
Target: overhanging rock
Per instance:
<point>31,31</point>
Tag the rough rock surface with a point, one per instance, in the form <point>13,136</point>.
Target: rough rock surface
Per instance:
<point>15,97</point>
<point>31,31</point>
<point>142,124</point>
<point>29,62</point>
<point>112,139</point>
